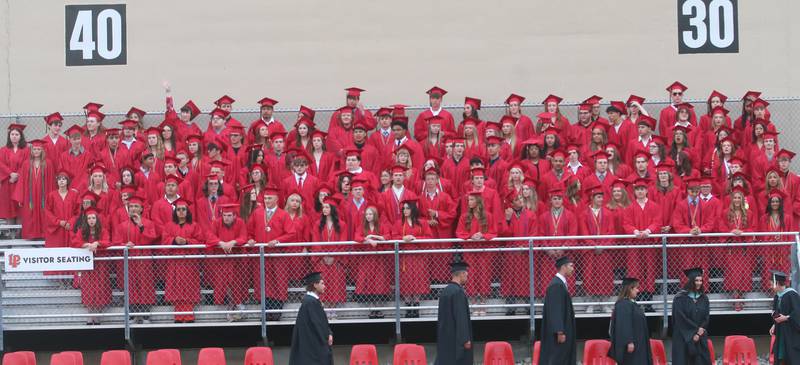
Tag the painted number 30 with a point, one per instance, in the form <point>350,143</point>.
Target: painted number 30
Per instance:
<point>719,30</point>
<point>109,34</point>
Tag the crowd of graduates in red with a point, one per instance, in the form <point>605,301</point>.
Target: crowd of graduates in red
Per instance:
<point>369,178</point>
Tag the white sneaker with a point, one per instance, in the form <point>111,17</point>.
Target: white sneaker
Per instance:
<point>589,309</point>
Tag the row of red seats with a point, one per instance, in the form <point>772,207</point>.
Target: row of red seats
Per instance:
<point>737,350</point>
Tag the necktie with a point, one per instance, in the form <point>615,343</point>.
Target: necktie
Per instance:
<point>385,134</point>
<point>269,215</point>
<point>300,183</point>
<point>602,177</point>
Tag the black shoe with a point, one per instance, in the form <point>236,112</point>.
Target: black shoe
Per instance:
<point>649,308</point>
<point>511,312</point>
<point>379,315</point>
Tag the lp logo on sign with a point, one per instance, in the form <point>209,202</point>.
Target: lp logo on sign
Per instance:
<point>14,260</point>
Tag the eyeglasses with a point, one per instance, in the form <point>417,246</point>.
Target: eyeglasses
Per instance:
<point>181,209</point>
<point>676,93</point>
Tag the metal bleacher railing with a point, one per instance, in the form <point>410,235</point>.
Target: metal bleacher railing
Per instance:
<point>391,282</point>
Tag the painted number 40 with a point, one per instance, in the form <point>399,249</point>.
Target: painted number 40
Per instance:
<point>109,34</point>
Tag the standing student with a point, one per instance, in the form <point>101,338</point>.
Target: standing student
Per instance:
<point>12,155</point>
<point>36,180</point>
<point>95,284</point>
<point>558,319</point>
<point>690,316</point>
<point>630,337</point>
<point>786,315</point>
<point>312,337</point>
<point>60,207</point>
<point>477,227</point>
<point>453,325</point>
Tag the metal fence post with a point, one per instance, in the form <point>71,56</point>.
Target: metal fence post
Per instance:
<point>397,330</point>
<point>532,292</point>
<point>262,279</point>
<point>126,293</point>
<point>796,262</point>
<point>2,337</point>
<point>664,286</point>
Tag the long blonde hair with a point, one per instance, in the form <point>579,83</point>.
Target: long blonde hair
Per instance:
<point>732,210</point>
<point>480,212</point>
<point>299,207</point>
<point>376,223</point>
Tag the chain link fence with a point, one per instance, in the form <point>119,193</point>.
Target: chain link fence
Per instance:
<point>392,281</point>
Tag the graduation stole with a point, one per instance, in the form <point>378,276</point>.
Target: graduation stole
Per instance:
<point>30,184</point>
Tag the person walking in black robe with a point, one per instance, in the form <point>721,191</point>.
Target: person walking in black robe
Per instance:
<point>786,315</point>
<point>454,327</point>
<point>312,337</point>
<point>690,315</point>
<point>630,337</point>
<point>558,319</point>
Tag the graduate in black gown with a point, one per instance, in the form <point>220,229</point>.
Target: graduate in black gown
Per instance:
<point>312,338</point>
<point>558,319</point>
<point>454,327</point>
<point>690,315</point>
<point>786,315</point>
<point>630,337</point>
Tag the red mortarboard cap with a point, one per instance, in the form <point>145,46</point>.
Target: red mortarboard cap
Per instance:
<point>193,109</point>
<point>507,119</point>
<point>641,181</point>
<point>359,182</point>
<point>54,117</point>
<point>384,112</point>
<point>360,124</point>
<point>432,170</point>
<point>98,167</point>
<point>785,153</point>
<point>304,119</point>
<point>476,103</point>
<point>91,211</point>
<point>585,107</point>
<point>219,163</point>
<point>680,128</point>
<point>308,112</point>
<point>135,110</point>
<point>267,102</point>
<point>352,152</point>
<point>194,138</point>
<point>435,120</point>
<point>171,160</point>
<point>354,91</point>
<point>138,200</point>
<point>777,193</point>
<point>600,155</point>
<point>345,109</point>
<point>475,193</point>
<point>270,190</point>
<point>552,98</point>
<point>492,125</point>
<point>573,147</point>
<point>770,135</point>
<point>224,99</point>
<point>641,153</point>
<point>692,182</point>
<point>219,113</point>
<point>718,94</point>
<point>398,169</point>
<point>97,115</point>
<point>760,103</point>
<point>552,131</point>
<point>180,202</point>
<point>89,195</point>
<point>75,129</point>
<point>319,133</point>
<point>752,95</point>
<point>592,100</point>
<point>257,167</point>
<point>64,172</point>
<point>514,97</point>
<point>685,105</point>
<point>602,124</point>
<point>277,135</point>
<point>478,171</point>
<point>173,178</point>
<point>647,120</point>
<point>736,161</point>
<point>37,143</point>
<point>665,166</point>
<point>620,183</point>
<point>620,107</point>
<point>229,208</point>
<point>558,152</point>
<point>676,85</point>
<point>545,115</point>
<point>398,109</point>
<point>494,140</point>
<point>92,106</point>
<point>556,191</point>
<point>212,177</point>
<point>437,91</point>
<point>636,98</point>
<point>470,121</point>
<point>127,123</point>
<point>720,110</point>
<point>152,130</point>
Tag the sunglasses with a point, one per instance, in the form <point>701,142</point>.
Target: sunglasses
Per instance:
<point>676,93</point>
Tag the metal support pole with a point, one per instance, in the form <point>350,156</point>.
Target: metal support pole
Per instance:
<point>532,295</point>
<point>664,284</point>
<point>795,274</point>
<point>126,294</point>
<point>262,280</point>
<point>397,332</point>
<point>2,337</point>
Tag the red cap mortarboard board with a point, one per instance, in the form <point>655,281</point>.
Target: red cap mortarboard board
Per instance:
<point>193,109</point>
<point>552,131</point>
<point>194,138</point>
<point>352,152</point>
<point>724,128</point>
<point>720,110</point>
<point>397,169</point>
<point>98,167</point>
<point>770,135</point>
<point>220,142</point>
<point>89,195</point>
<point>573,147</point>
<point>647,120</point>
<point>680,128</point>
<point>127,123</point>
<point>736,161</point>
<point>257,167</point>
<point>229,208</point>
<point>777,193</point>
<point>534,141</point>
<point>345,110</point>
<point>234,124</point>
<point>558,152</point>
<point>354,91</point>
<point>470,121</point>
<point>180,202</point>
<point>167,123</point>
<point>91,211</point>
<point>398,109</point>
<point>613,145</point>
<point>760,103</point>
<point>384,112</point>
<point>247,188</point>
<point>600,155</point>
<point>134,110</point>
<point>319,133</point>
<point>545,115</point>
<point>552,98</point>
<point>752,95</point>
<point>402,119</point>
<point>410,198</point>
<point>435,120</point>
<point>773,168</point>
<point>592,100</point>
<point>212,177</point>
<point>64,172</point>
<point>37,143</point>
<point>514,97</point>
<point>585,107</point>
<point>152,130</point>
<point>596,190</point>
<point>665,166</point>
<point>267,102</point>
<point>601,124</point>
<point>620,183</point>
<point>785,153</point>
<point>617,106</point>
<point>692,182</point>
<point>635,98</point>
<point>436,160</point>
<point>308,112</point>
<point>359,182</point>
<point>224,99</point>
<point>556,191</point>
<point>721,96</point>
<point>145,154</point>
<point>478,171</point>
<point>219,163</point>
<point>19,127</point>
<point>685,105</point>
<point>492,125</point>
<point>305,120</point>
<point>138,200</point>
<point>75,129</point>
<point>92,106</point>
<point>437,91</point>
<point>220,113</point>
<point>641,182</point>
<point>55,117</point>
<point>171,160</point>
<point>676,85</point>
<point>432,170</point>
<point>277,135</point>
<point>740,175</point>
<point>459,140</point>
<point>172,178</point>
<point>360,124</point>
<point>728,139</point>
<point>475,193</point>
<point>641,153</point>
<point>530,181</point>
<point>516,164</point>
<point>705,181</point>
<point>96,115</point>
<point>494,140</point>
<point>474,102</point>
<point>507,119</point>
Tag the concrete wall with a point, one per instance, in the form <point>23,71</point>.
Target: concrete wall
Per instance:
<point>307,51</point>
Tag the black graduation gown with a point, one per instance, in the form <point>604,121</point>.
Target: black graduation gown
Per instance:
<point>628,324</point>
<point>453,327</point>
<point>788,332</point>
<point>688,316</point>
<point>558,316</point>
<point>310,335</point>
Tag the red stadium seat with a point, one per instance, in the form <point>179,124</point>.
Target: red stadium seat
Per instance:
<point>740,351</point>
<point>498,353</point>
<point>77,356</point>
<point>116,357</point>
<point>174,356</point>
<point>258,356</point>
<point>409,354</point>
<point>537,348</point>
<point>364,355</point>
<point>595,352</point>
<point>14,358</point>
<point>61,359</point>
<point>659,354</point>
<point>30,356</point>
<point>711,352</point>
<point>159,357</point>
<point>211,356</point>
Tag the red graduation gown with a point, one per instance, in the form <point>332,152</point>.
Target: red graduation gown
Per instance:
<point>333,268</point>
<point>60,209</point>
<point>598,267</point>
<point>53,149</point>
<point>95,284</point>
<point>307,191</point>
<point>205,212</point>
<point>31,193</point>
<point>183,275</point>
<point>374,273</point>
<point>547,225</point>
<point>739,261</point>
<point>684,217</point>
<point>421,124</point>
<point>775,257</point>
<point>141,284</point>
<point>279,228</point>
<point>481,279</point>
<point>644,264</point>
<point>413,274</point>
<point>515,272</point>
<point>228,274</point>
<point>322,166</point>
<point>114,162</point>
<point>10,161</point>
<point>669,115</point>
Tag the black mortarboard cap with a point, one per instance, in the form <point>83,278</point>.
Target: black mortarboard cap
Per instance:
<point>779,277</point>
<point>693,272</point>
<point>458,266</point>
<point>627,281</point>
<point>563,260</point>
<point>312,278</point>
